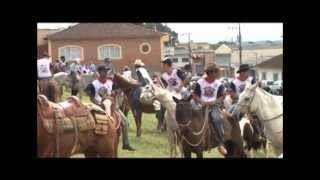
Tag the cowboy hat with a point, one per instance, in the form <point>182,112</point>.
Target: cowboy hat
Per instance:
<point>243,67</point>
<point>102,68</point>
<point>211,67</point>
<point>138,62</point>
<point>166,60</point>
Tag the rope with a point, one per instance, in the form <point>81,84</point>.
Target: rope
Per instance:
<point>273,118</point>
<point>201,132</point>
<point>76,131</point>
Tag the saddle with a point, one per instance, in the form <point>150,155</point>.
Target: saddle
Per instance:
<point>67,115</point>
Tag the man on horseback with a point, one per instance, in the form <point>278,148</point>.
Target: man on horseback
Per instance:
<point>209,91</point>
<point>239,84</point>
<point>126,73</point>
<point>104,82</point>
<point>172,78</point>
<point>142,74</point>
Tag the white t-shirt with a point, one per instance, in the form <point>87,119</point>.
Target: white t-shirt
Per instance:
<point>209,91</point>
<point>172,80</point>
<point>240,85</point>
<point>44,68</point>
<point>145,74</point>
<point>127,74</point>
<point>98,86</point>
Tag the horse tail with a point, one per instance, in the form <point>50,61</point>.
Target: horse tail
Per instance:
<point>52,91</point>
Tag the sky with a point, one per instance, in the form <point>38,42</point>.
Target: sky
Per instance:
<point>213,32</point>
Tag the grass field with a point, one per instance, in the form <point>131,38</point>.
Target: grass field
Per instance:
<point>152,144</point>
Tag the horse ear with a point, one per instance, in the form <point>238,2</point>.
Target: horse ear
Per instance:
<point>175,99</point>
<point>254,86</point>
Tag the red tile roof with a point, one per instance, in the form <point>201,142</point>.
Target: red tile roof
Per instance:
<point>103,30</point>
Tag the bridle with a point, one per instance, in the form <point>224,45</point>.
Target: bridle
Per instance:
<point>249,104</point>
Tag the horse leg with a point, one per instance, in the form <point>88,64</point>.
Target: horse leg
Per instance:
<point>265,149</point>
<point>90,153</point>
<point>137,118</point>
<point>199,154</point>
<point>187,154</point>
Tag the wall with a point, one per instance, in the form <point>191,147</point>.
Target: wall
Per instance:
<point>269,73</point>
<point>130,51</point>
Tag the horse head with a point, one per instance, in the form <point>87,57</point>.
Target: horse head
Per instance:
<point>247,101</point>
<point>183,110</point>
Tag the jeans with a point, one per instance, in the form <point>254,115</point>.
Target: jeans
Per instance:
<point>125,136</point>
<point>217,122</point>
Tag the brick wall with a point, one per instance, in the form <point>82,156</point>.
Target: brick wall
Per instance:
<point>130,51</point>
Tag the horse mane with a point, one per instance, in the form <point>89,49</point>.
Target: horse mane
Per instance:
<point>123,82</point>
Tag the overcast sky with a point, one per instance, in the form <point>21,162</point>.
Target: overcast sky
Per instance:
<point>212,32</point>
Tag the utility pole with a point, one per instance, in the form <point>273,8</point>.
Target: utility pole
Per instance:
<point>190,56</point>
<point>240,48</point>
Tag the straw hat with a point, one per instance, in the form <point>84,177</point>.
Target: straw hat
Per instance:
<point>138,62</point>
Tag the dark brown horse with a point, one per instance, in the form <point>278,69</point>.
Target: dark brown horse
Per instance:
<point>67,143</point>
<point>132,91</point>
<point>197,132</point>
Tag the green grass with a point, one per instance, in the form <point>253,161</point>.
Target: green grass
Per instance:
<point>151,144</point>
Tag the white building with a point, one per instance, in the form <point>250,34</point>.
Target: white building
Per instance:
<point>270,69</point>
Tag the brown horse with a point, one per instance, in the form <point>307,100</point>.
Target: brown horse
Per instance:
<point>132,91</point>
<point>197,133</point>
<point>66,143</point>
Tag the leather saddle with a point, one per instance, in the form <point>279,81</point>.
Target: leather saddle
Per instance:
<point>68,115</point>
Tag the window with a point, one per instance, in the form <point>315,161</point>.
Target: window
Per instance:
<point>275,76</point>
<point>175,60</point>
<point>71,52</point>
<point>185,59</point>
<point>145,48</point>
<point>263,75</point>
<point>111,51</point>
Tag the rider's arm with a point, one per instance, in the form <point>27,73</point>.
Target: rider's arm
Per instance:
<point>182,76</point>
<point>91,93</point>
<point>164,82</point>
<point>197,93</point>
<point>220,93</point>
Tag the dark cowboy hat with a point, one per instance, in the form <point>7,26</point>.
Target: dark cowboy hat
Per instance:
<point>166,60</point>
<point>211,67</point>
<point>102,68</point>
<point>107,59</point>
<point>243,67</point>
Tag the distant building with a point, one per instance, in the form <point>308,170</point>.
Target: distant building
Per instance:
<point>194,45</point>
<point>223,59</point>
<point>121,42</point>
<point>42,42</point>
<point>270,69</point>
<point>256,52</point>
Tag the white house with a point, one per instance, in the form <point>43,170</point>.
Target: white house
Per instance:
<point>270,69</point>
<point>223,59</point>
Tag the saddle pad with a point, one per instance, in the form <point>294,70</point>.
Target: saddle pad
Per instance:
<point>102,121</point>
<point>64,123</point>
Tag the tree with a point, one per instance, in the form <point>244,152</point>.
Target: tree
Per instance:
<point>163,28</point>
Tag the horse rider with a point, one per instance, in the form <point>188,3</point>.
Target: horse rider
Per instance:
<point>172,78</point>
<point>126,73</point>
<point>109,65</point>
<point>239,83</point>
<point>141,72</point>
<point>44,65</point>
<point>104,82</point>
<point>209,91</point>
<point>145,79</point>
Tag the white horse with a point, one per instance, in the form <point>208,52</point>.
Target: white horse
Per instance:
<point>269,109</point>
<point>63,80</point>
